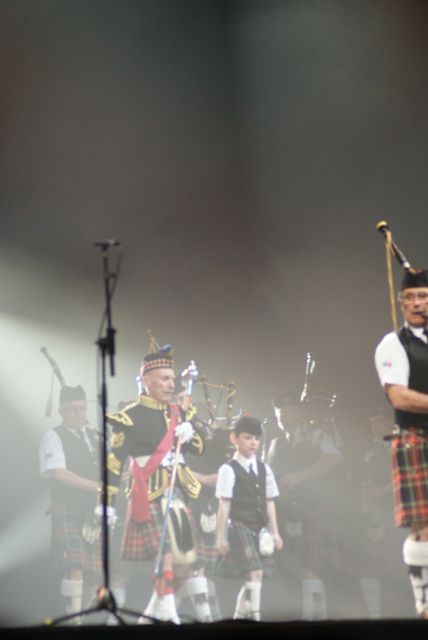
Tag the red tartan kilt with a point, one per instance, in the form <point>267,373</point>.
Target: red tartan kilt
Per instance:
<point>409,451</point>
<point>141,540</point>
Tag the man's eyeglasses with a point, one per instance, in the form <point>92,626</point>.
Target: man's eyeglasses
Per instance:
<point>422,296</point>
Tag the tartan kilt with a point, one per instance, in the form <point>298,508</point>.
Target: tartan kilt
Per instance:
<point>141,539</point>
<point>70,551</point>
<point>317,547</point>
<point>409,451</point>
<point>207,551</point>
<point>206,505</point>
<point>243,556</point>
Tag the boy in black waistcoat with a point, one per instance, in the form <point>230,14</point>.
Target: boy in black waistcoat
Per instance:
<point>246,489</point>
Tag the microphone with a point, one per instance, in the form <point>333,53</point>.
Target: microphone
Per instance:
<point>104,244</point>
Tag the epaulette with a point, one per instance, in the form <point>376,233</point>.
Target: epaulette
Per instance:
<point>130,405</point>
<point>120,418</point>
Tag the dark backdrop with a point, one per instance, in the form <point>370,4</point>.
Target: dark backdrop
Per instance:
<point>242,152</point>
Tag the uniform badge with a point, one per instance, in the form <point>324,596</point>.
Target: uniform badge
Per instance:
<point>117,440</point>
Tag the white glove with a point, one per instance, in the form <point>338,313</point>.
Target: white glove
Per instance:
<point>184,430</point>
<point>111,514</point>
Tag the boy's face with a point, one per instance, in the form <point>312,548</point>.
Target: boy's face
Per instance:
<point>245,443</point>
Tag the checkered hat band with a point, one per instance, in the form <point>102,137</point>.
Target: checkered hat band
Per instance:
<point>160,363</point>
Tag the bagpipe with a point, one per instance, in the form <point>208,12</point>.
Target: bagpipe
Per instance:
<point>318,408</point>
<point>220,413</point>
<point>56,372</point>
<point>91,528</point>
<point>392,249</point>
<point>316,412</point>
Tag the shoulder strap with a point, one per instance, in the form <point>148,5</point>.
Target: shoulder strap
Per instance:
<point>140,510</point>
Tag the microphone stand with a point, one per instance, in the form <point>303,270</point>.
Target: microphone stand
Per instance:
<point>105,599</point>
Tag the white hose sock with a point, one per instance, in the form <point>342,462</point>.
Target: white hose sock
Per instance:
<point>197,590</point>
<point>248,601</point>
<point>314,604</point>
<point>71,591</point>
<point>161,608</point>
<point>415,554</point>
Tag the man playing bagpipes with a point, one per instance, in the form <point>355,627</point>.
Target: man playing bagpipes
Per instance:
<point>68,459</point>
<point>156,434</point>
<point>402,365</point>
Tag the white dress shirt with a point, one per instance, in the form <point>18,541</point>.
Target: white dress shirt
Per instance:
<point>51,451</point>
<point>226,477</point>
<point>392,363</point>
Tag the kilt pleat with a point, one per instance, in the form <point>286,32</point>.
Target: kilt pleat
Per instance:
<point>409,451</point>
<point>141,540</point>
<point>70,550</point>
<point>316,548</point>
<point>243,556</point>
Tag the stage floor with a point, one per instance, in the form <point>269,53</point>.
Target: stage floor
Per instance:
<point>349,630</point>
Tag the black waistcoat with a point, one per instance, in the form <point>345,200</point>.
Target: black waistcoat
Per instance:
<point>417,353</point>
<point>80,461</point>
<point>249,497</point>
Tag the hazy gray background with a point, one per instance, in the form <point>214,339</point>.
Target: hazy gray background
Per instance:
<point>242,152</point>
